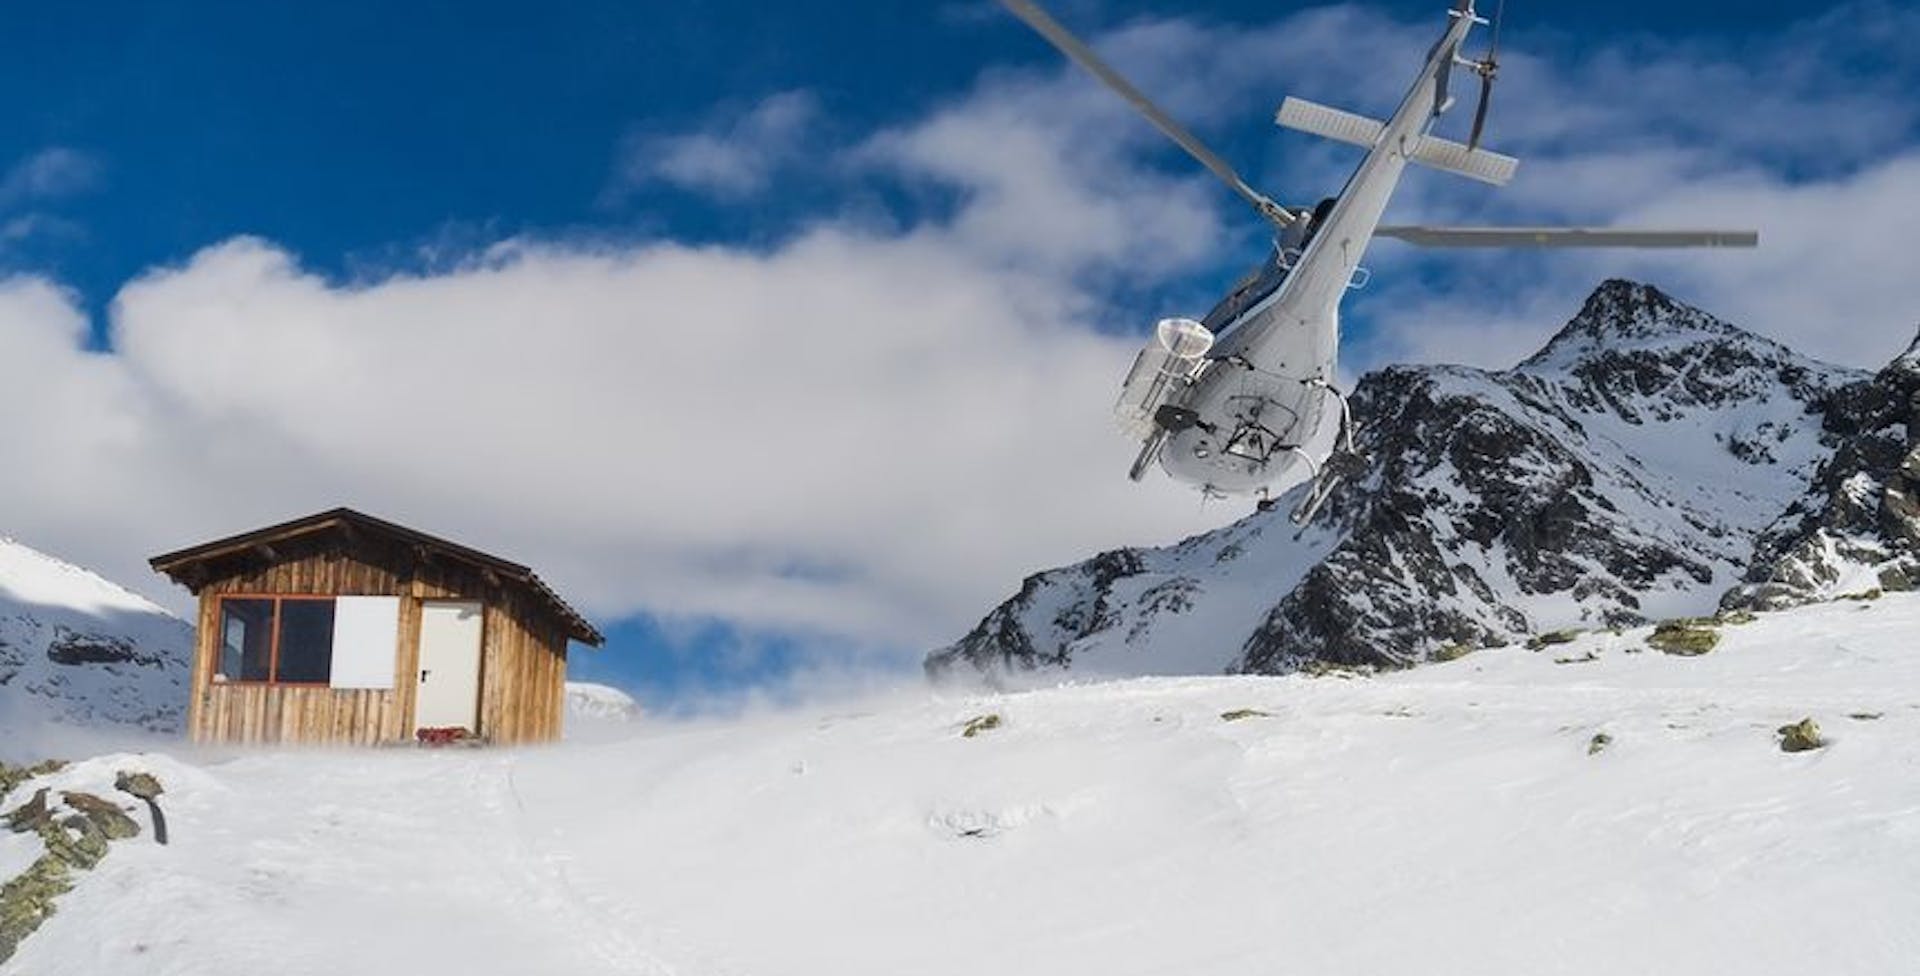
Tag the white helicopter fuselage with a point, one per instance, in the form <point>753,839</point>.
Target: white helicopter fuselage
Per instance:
<point>1233,403</point>
<point>1265,391</point>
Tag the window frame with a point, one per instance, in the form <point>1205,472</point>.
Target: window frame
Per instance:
<point>214,678</point>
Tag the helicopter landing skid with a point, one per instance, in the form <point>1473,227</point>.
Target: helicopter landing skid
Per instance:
<point>1341,464</point>
<point>1334,471</point>
<point>1149,452</point>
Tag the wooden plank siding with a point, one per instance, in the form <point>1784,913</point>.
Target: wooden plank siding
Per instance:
<point>523,652</point>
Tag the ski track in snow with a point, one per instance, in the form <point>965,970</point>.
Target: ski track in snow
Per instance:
<point>1443,820</point>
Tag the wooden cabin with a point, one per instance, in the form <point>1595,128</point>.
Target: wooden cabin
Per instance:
<point>344,628</point>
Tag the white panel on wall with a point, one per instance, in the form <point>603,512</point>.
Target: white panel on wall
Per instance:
<point>366,637</point>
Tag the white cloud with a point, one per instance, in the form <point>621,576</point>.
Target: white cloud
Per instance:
<point>731,158</point>
<point>867,433</point>
<point>1788,134</point>
<point>36,182</point>
<point>862,436</point>
<point>56,171</point>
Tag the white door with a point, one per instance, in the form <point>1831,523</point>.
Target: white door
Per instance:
<point>449,666</point>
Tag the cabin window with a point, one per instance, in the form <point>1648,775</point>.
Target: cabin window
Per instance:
<point>276,640</point>
<point>246,649</point>
<point>306,641</point>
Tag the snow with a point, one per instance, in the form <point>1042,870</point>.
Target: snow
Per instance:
<point>131,666</point>
<point>596,702</point>
<point>30,576</point>
<point>1447,819</point>
<point>1675,440</point>
<point>1227,579</point>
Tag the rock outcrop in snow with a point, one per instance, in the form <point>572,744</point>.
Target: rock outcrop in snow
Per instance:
<point>1857,527</point>
<point>78,649</point>
<point>1646,460</point>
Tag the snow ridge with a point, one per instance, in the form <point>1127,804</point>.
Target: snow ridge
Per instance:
<point>79,649</point>
<point>1647,459</point>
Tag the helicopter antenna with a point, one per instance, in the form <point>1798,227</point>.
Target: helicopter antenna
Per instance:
<point>1487,69</point>
<point>1074,48</point>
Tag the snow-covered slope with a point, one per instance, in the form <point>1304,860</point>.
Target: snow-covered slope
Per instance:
<point>1857,526</point>
<point>1444,820</point>
<point>1623,474</point>
<point>599,703</point>
<point>77,649</point>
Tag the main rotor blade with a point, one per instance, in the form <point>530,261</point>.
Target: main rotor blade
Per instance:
<point>1072,47</point>
<point>1566,237</point>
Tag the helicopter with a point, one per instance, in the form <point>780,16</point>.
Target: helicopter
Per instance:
<point>1231,402</point>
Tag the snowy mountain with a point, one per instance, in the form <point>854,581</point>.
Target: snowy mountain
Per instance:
<point>1857,526</point>
<point>77,649</point>
<point>1505,814</point>
<point>1647,460</point>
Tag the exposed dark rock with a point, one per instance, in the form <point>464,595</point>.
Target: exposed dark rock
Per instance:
<point>1861,508</point>
<point>69,647</point>
<point>26,900</point>
<point>12,776</point>
<point>1648,447</point>
<point>1550,638</point>
<point>1801,736</point>
<point>1683,638</point>
<point>145,786</point>
<point>105,815</point>
<point>31,815</point>
<point>77,840</point>
<point>73,842</point>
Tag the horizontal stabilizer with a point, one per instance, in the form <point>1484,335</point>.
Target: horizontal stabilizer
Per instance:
<point>1461,160</point>
<point>1328,123</point>
<point>1566,237</point>
<point>1432,151</point>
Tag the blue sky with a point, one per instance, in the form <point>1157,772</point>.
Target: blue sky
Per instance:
<point>303,183</point>
<point>355,132</point>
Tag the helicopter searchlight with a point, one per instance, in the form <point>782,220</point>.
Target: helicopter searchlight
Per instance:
<point>1231,403</point>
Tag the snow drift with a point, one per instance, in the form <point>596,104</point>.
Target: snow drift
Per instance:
<point>1451,819</point>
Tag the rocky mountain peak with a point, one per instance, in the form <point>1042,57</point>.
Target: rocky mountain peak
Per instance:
<point>1622,315</point>
<point>1638,353</point>
<point>1647,459</point>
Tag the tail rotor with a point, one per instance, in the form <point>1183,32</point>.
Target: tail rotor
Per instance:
<point>1487,68</point>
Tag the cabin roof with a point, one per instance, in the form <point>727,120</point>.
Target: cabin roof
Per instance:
<point>179,565</point>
